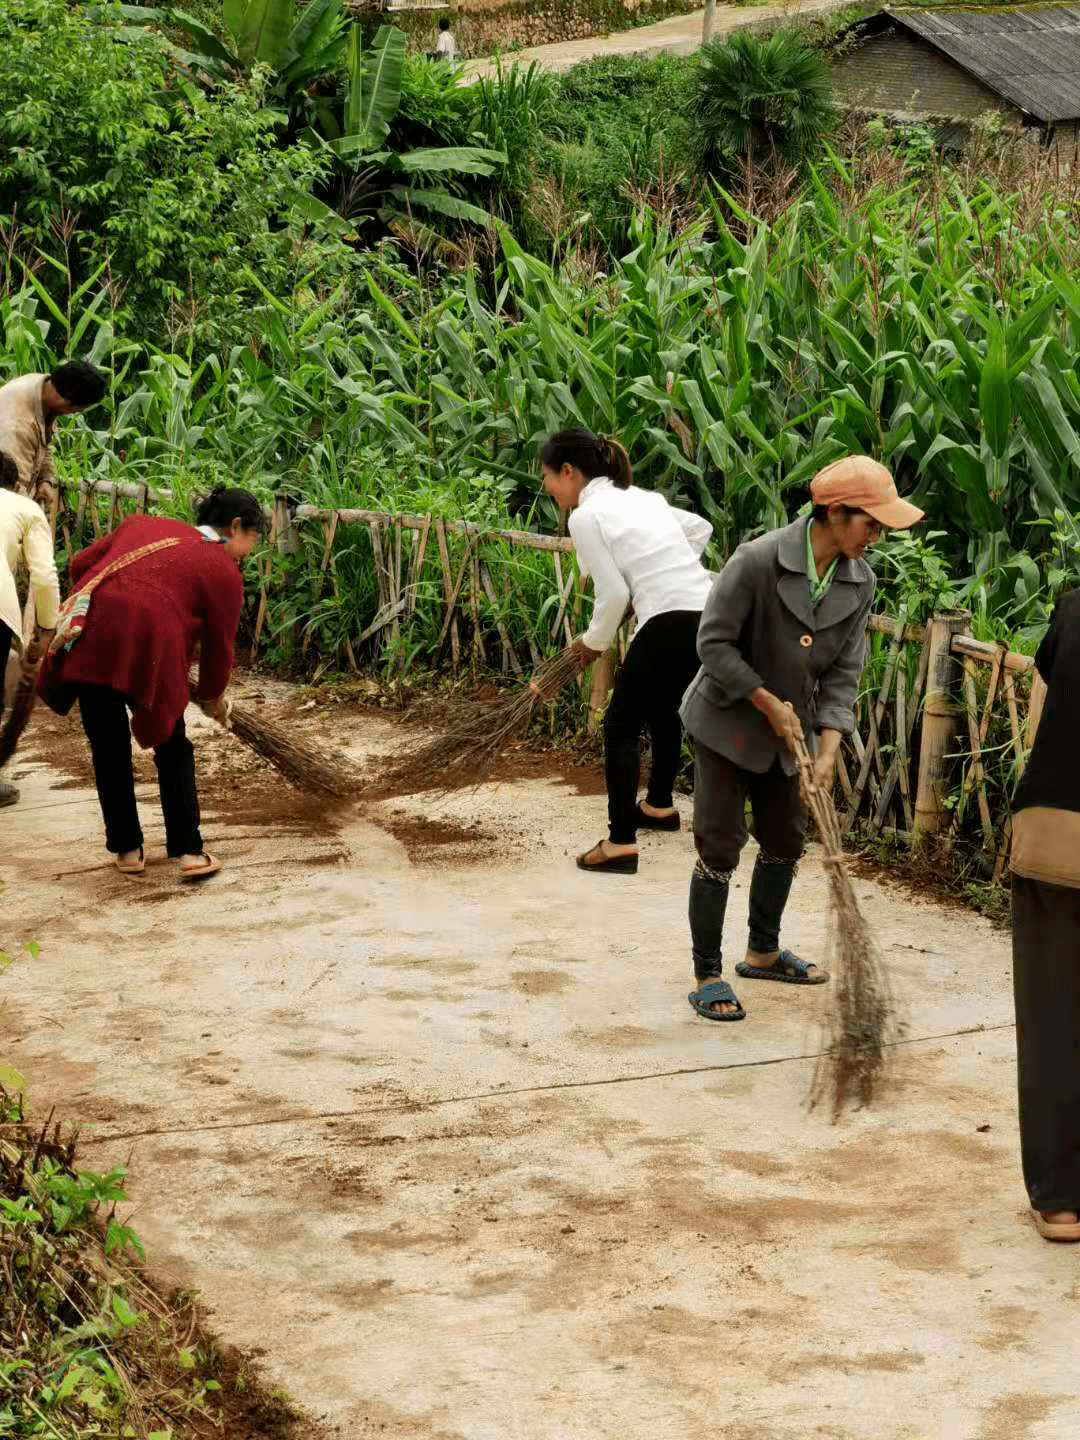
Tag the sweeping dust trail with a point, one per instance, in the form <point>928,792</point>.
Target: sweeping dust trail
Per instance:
<point>423,1113</point>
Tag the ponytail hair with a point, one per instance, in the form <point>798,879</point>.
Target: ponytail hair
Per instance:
<point>225,504</point>
<point>592,454</point>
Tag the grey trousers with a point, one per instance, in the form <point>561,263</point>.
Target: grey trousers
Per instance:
<point>721,790</point>
<point>1046,986</point>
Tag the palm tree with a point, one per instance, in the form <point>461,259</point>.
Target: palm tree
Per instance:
<point>759,98</point>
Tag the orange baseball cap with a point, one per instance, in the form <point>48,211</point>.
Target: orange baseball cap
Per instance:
<point>864,484</point>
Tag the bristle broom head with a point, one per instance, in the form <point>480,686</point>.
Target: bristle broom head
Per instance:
<point>303,766</point>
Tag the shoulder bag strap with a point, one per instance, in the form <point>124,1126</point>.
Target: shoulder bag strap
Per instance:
<point>124,560</point>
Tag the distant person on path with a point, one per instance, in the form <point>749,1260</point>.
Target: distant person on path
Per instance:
<point>145,619</point>
<point>446,45</point>
<point>25,536</point>
<point>781,644</point>
<point>642,551</point>
<point>29,409</point>
<point>1046,937</point>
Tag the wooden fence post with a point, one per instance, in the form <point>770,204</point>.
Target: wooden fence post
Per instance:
<point>942,710</point>
<point>1036,702</point>
<point>284,530</point>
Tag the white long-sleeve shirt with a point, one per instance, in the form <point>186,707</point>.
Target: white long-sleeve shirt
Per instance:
<point>25,535</point>
<point>637,548</point>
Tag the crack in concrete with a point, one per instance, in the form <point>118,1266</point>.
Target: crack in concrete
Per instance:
<point>419,1105</point>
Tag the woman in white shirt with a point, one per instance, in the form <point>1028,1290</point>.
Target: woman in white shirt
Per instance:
<point>642,551</point>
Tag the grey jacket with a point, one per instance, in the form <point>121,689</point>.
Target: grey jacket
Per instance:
<point>759,628</point>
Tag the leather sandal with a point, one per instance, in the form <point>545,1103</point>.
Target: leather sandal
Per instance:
<point>644,821</point>
<point>1051,1230</point>
<point>201,872</point>
<point>132,867</point>
<point>608,864</point>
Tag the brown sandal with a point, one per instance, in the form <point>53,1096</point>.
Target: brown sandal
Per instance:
<point>1051,1230</point>
<point>607,864</point>
<point>201,872</point>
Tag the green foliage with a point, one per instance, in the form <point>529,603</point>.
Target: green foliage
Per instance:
<point>375,176</point>
<point>296,50</point>
<point>112,166</point>
<point>615,126</point>
<point>511,112</point>
<point>87,1348</point>
<point>759,97</point>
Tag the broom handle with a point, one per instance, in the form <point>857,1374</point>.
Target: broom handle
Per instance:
<point>193,686</point>
<point>817,801</point>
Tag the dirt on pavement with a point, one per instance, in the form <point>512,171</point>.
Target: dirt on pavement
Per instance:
<point>421,1111</point>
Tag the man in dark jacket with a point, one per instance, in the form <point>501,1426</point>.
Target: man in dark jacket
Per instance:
<point>1046,937</point>
<point>781,644</point>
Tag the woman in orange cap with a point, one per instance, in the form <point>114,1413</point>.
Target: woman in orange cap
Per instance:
<point>781,645</point>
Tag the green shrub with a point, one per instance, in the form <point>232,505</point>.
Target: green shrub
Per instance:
<point>761,97</point>
<point>111,163</point>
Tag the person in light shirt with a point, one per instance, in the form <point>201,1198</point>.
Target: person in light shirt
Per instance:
<point>29,409</point>
<point>446,45</point>
<point>24,537</point>
<point>640,551</point>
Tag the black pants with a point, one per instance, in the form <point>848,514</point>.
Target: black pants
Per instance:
<point>105,720</point>
<point>659,666</point>
<point>1046,986</point>
<point>720,794</point>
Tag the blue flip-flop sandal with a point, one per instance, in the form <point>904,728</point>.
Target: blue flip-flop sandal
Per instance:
<point>787,968</point>
<point>712,993</point>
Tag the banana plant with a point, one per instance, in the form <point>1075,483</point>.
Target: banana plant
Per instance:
<point>397,181</point>
<point>297,48</point>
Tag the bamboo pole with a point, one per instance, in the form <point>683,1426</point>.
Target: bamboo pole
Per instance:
<point>284,530</point>
<point>1036,702</point>
<point>509,653</point>
<point>528,538</point>
<point>976,775</point>
<point>941,712</point>
<point>450,623</point>
<point>448,594</point>
<point>907,710</point>
<point>877,714</point>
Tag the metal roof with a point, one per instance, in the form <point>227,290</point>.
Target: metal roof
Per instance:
<point>1029,57</point>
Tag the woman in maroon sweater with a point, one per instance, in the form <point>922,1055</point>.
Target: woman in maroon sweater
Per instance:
<point>142,629</point>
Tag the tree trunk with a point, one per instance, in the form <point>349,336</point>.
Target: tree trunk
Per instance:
<point>709,23</point>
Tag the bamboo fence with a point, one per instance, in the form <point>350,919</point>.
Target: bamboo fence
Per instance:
<point>944,721</point>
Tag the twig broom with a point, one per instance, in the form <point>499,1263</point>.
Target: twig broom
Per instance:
<point>22,706</point>
<point>484,728</point>
<point>859,1020</point>
<point>302,765</point>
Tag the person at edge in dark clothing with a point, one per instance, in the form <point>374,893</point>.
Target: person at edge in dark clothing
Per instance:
<point>1045,865</point>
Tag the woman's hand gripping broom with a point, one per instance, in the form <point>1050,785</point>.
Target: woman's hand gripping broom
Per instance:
<point>859,1018</point>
